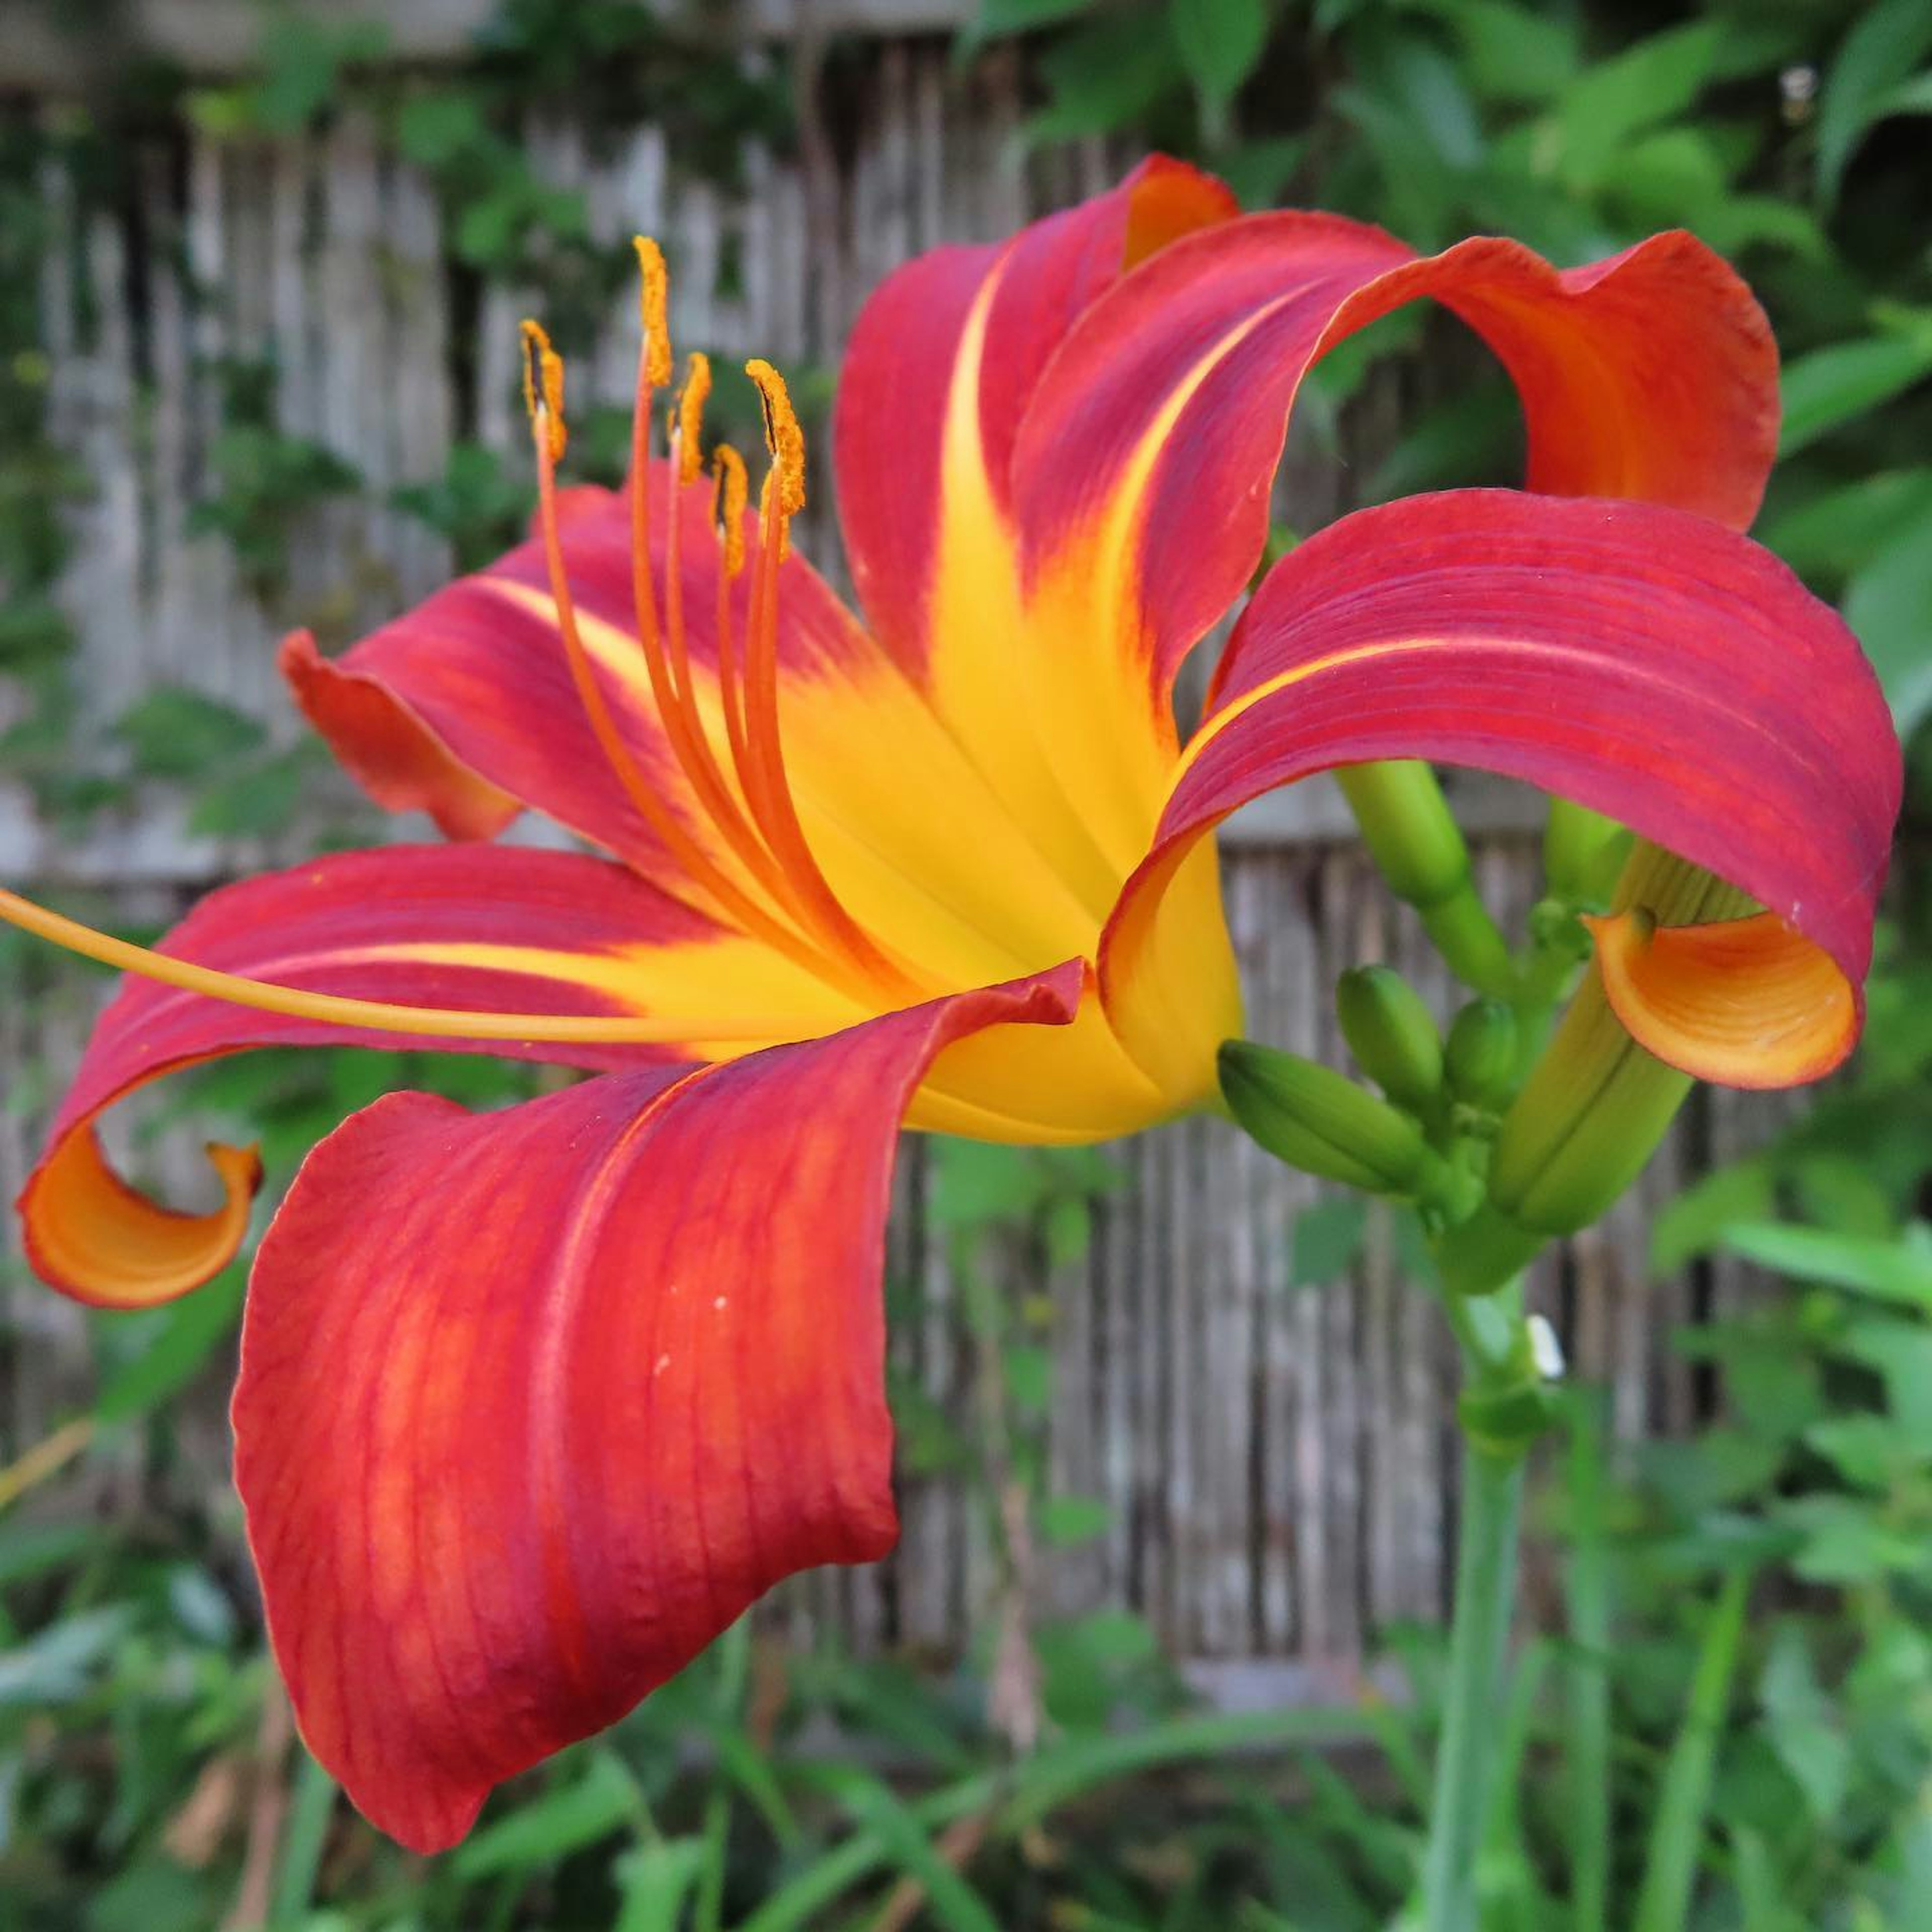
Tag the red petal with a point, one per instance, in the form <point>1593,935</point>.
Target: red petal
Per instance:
<point>1643,661</point>
<point>333,926</point>
<point>465,707</point>
<point>533,1405</point>
<point>903,358</point>
<point>1651,375</point>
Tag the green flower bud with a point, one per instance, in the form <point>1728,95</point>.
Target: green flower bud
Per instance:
<point>1481,1055</point>
<point>1583,853</point>
<point>1420,850</point>
<point>1592,1111</point>
<point>1317,1119</point>
<point>1391,1033</point>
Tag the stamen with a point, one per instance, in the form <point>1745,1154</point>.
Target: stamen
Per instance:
<point>783,436</point>
<point>690,417</point>
<point>768,788</point>
<point>543,388</point>
<point>670,682</point>
<point>730,493</point>
<point>654,309</point>
<point>543,393</point>
<point>268,996</point>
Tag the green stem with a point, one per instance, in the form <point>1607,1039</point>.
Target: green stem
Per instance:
<point>1587,1689</point>
<point>1486,1572</point>
<point>1420,850</point>
<point>734,1652</point>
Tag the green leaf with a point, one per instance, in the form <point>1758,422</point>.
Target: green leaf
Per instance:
<point>1683,1799</point>
<point>1889,604</point>
<point>30,1549</point>
<point>1513,53</point>
<point>1798,1719</point>
<point>1104,77</point>
<point>183,1335</point>
<point>1259,172</point>
<point>1063,1521</point>
<point>1696,1220</point>
<point>1889,1271</point>
<point>604,1799</point>
<point>951,1902</point>
<point>1220,43</point>
<point>1870,1452</point>
<point>174,733</point>
<point>54,1667</point>
<point>1645,85</point>
<point>435,129</point>
<point>261,799</point>
<point>1327,1238</point>
<point>1889,40</point>
<point>1843,1542</point>
<point>1001,19</point>
<point>302,1847</point>
<point>1833,384</point>
<point>1837,532</point>
<point>654,1881</point>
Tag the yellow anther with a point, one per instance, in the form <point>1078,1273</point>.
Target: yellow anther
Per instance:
<point>731,492</point>
<point>690,417</point>
<point>783,436</point>
<point>654,309</point>
<point>543,388</point>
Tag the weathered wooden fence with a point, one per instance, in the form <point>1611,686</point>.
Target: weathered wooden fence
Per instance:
<point>1276,1463</point>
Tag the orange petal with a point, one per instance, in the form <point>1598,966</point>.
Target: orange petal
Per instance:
<point>86,1228</point>
<point>1743,1002</point>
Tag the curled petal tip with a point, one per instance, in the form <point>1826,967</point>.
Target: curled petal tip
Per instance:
<point>1740,1002</point>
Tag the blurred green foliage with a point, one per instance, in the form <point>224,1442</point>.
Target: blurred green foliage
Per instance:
<point>1729,1726</point>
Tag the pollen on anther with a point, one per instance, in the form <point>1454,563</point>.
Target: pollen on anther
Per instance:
<point>654,309</point>
<point>783,436</point>
<point>691,416</point>
<point>731,491</point>
<point>543,387</point>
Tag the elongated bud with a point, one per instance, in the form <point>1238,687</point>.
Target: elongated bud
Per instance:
<point>1391,1032</point>
<point>1593,1109</point>
<point>1583,853</point>
<point>1420,850</point>
<point>1481,1055</point>
<point>1319,1120</point>
<point>1407,824</point>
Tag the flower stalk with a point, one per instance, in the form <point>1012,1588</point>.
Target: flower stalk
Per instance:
<point>1420,850</point>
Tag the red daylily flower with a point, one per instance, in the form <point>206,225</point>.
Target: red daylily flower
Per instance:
<point>532,1405</point>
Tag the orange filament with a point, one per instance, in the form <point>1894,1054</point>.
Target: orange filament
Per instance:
<point>758,820</point>
<point>769,791</point>
<point>268,996</point>
<point>547,439</point>
<point>671,685</point>
<point>731,492</point>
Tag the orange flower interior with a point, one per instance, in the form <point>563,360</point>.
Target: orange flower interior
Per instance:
<point>865,843</point>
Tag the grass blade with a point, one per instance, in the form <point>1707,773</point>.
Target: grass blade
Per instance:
<point>1587,1679</point>
<point>1684,1798</point>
